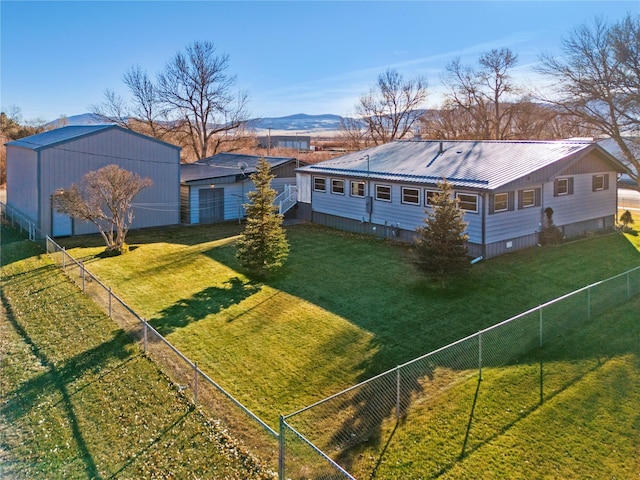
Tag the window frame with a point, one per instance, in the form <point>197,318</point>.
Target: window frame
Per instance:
<point>417,196</point>
<point>556,186</point>
<point>533,199</point>
<point>474,195</point>
<point>595,178</point>
<point>429,192</point>
<point>324,183</point>
<point>357,183</point>
<point>495,202</point>
<point>334,182</point>
<point>377,196</point>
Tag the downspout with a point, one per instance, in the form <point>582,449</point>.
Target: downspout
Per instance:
<point>484,218</point>
<point>39,189</point>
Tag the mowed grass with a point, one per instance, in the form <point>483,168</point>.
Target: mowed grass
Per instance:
<point>79,400</point>
<point>343,309</point>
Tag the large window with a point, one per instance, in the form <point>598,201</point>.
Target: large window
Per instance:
<point>411,195</point>
<point>320,184</point>
<point>528,198</point>
<point>467,202</point>
<point>337,186</point>
<point>383,193</point>
<point>357,189</point>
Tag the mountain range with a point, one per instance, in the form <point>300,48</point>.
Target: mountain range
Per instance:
<point>292,124</point>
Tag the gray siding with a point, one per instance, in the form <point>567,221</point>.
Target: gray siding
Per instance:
<point>394,213</point>
<point>22,181</point>
<point>65,164</point>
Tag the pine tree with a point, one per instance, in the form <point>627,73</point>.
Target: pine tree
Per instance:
<point>263,246</point>
<point>440,246</point>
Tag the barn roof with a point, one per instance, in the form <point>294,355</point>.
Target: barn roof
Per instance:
<point>471,164</point>
<point>66,134</point>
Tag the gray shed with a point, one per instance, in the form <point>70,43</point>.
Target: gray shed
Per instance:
<point>40,165</point>
<point>503,187</point>
<point>215,189</point>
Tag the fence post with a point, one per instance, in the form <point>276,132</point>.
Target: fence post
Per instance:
<point>628,286</point>
<point>110,298</point>
<point>281,450</point>
<point>82,274</point>
<point>541,363</point>
<point>480,355</point>
<point>588,303</point>
<point>144,335</point>
<point>398,393</point>
<point>64,258</point>
<point>195,383</point>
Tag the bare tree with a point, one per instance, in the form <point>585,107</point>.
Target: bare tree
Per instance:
<point>195,91</point>
<point>482,92</point>
<point>392,108</point>
<point>191,102</point>
<point>597,80</point>
<point>104,198</point>
<point>353,133</point>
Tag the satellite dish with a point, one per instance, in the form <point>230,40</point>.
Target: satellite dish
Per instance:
<point>242,166</point>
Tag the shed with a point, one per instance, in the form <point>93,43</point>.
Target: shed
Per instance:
<point>40,165</point>
<point>503,187</point>
<point>215,189</point>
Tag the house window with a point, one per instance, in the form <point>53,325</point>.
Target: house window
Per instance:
<point>467,202</point>
<point>411,196</point>
<point>600,182</point>
<point>429,196</point>
<point>528,198</point>
<point>337,186</point>
<point>501,202</point>
<point>320,184</point>
<point>357,189</point>
<point>563,186</point>
<point>383,193</point>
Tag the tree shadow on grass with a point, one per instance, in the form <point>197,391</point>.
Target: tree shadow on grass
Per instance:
<point>204,303</point>
<point>57,378</point>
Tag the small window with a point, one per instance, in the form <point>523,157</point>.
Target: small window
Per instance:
<point>357,189</point>
<point>600,182</point>
<point>429,196</point>
<point>528,198</point>
<point>563,186</point>
<point>501,202</point>
<point>320,184</point>
<point>337,186</point>
<point>411,196</point>
<point>383,193</point>
<point>467,202</point>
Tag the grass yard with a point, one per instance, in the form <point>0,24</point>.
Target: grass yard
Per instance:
<point>79,400</point>
<point>343,309</point>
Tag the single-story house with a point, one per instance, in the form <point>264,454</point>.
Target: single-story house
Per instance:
<point>503,187</point>
<point>294,142</point>
<point>40,165</point>
<point>215,189</point>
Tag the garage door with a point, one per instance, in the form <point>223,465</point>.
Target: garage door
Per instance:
<point>211,205</point>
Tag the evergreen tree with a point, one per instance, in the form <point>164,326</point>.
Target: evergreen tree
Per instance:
<point>440,245</point>
<point>263,246</point>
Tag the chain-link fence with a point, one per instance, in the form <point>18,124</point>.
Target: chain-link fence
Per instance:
<point>448,397</point>
<point>255,435</point>
<point>20,222</point>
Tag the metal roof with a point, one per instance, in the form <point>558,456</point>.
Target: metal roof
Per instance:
<point>479,164</point>
<point>61,135</point>
<point>225,165</point>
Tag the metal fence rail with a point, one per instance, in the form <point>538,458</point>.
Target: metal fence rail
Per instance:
<point>429,399</point>
<point>258,437</point>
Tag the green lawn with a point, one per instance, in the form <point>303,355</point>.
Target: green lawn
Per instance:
<point>343,309</point>
<point>79,400</point>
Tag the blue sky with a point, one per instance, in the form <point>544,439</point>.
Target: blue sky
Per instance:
<point>57,58</point>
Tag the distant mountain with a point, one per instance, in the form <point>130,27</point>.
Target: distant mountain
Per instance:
<point>299,123</point>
